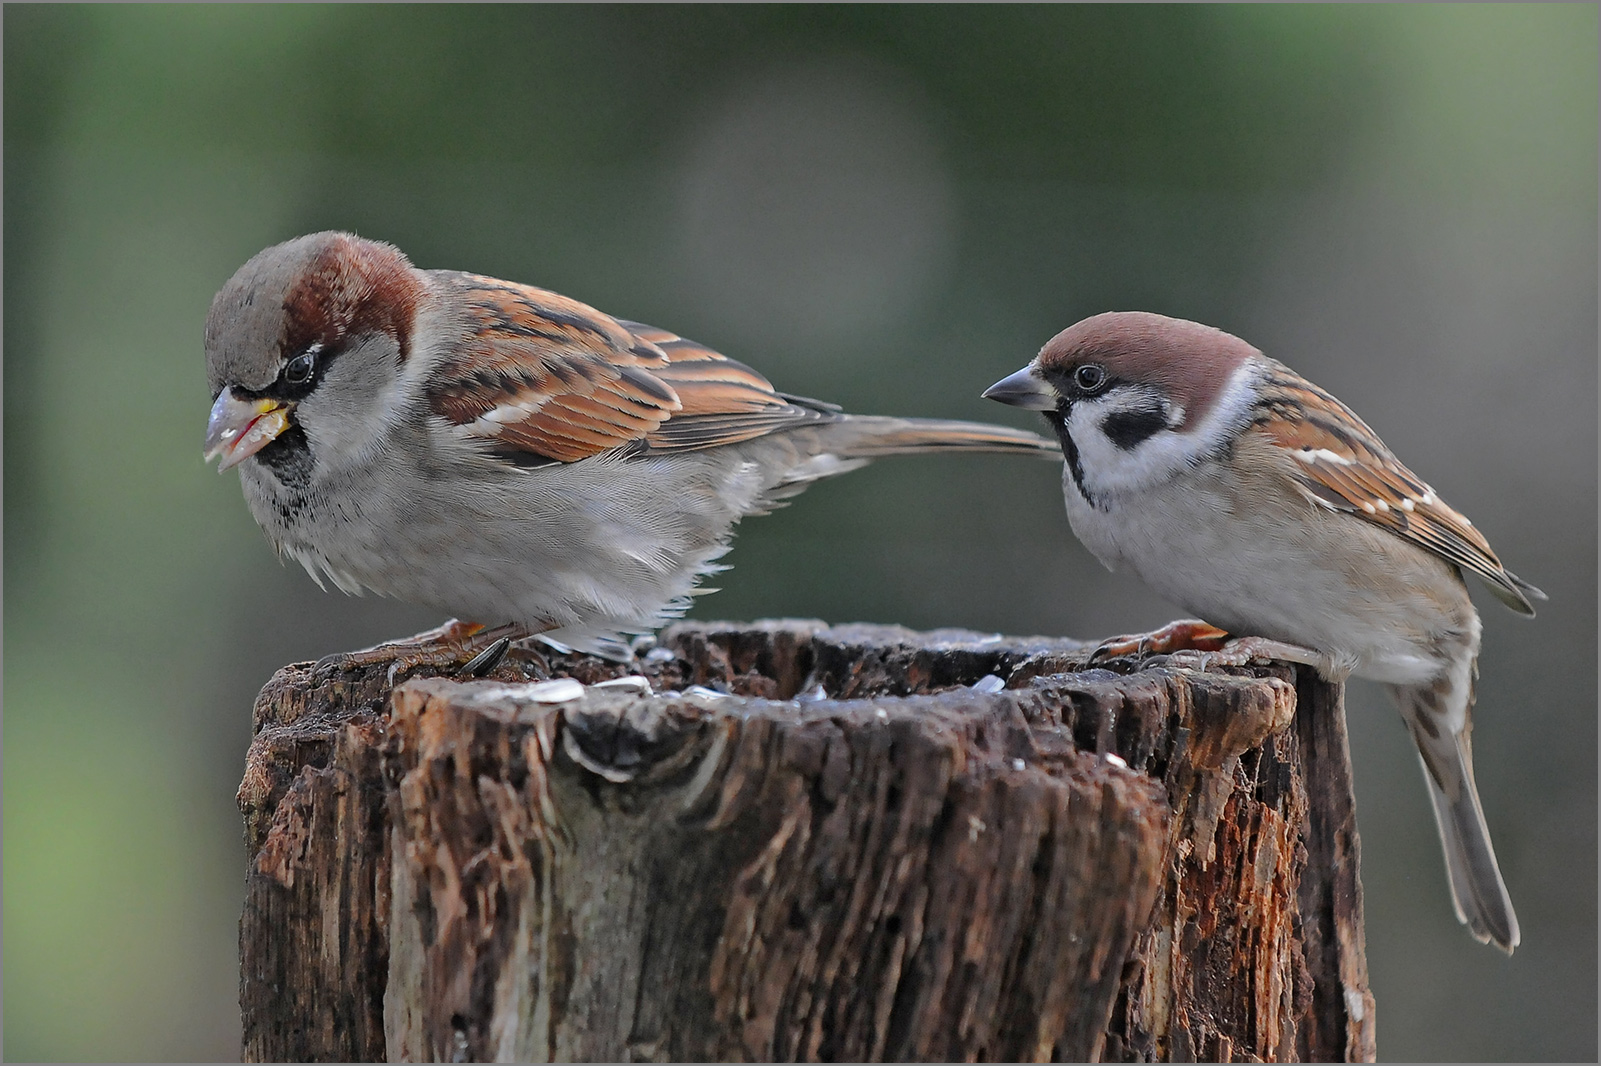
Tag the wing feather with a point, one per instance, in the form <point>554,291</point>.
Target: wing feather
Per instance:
<point>1343,465</point>
<point>543,378</point>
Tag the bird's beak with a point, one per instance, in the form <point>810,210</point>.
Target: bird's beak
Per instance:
<point>1023,389</point>
<point>239,428</point>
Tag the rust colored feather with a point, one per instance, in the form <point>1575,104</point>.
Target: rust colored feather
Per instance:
<point>542,376</point>
<point>1342,464</point>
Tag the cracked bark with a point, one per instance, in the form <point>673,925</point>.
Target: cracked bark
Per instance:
<point>1139,864</point>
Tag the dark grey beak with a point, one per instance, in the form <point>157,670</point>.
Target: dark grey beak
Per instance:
<point>1023,390</point>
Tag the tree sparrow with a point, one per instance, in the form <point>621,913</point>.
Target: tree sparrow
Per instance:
<point>1238,489</point>
<point>504,453</point>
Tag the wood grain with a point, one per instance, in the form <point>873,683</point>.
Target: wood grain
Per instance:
<point>1145,863</point>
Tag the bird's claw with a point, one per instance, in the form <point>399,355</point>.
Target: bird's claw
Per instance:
<point>1244,651</point>
<point>1186,635</point>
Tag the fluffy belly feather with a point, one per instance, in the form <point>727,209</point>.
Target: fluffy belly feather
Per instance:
<point>1259,566</point>
<point>558,549</point>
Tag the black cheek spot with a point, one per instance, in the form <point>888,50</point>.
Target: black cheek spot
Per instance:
<point>1127,429</point>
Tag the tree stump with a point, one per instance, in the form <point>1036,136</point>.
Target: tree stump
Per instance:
<point>796,842</point>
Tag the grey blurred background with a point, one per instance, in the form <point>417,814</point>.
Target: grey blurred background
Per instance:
<point>886,207</point>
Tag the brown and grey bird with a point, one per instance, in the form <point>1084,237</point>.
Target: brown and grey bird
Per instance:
<point>1244,493</point>
<point>503,453</point>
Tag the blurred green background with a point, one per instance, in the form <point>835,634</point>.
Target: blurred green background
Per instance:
<point>886,207</point>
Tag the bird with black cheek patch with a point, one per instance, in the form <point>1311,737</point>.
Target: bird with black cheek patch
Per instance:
<point>1251,497</point>
<point>503,453</point>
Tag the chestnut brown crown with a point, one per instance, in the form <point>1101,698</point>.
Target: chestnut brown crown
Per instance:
<point>1190,362</point>
<point>323,288</point>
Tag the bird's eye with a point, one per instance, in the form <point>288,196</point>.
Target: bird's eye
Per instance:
<point>1090,377</point>
<point>299,370</point>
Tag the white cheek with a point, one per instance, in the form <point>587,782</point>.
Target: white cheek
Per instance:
<point>353,408</point>
<point>1110,470</point>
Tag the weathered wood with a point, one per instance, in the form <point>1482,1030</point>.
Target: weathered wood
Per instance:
<point>1331,895</point>
<point>1153,864</point>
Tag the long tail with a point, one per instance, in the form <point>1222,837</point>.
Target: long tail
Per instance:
<point>1478,891</point>
<point>839,443</point>
<point>871,436</point>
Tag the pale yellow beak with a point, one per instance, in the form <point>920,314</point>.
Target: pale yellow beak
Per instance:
<point>239,428</point>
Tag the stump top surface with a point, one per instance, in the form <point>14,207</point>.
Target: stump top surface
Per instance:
<point>993,779</point>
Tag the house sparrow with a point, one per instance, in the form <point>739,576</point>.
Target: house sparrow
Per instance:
<point>503,453</point>
<point>1241,491</point>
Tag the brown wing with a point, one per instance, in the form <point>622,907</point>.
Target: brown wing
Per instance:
<point>1343,465</point>
<point>724,400</point>
<point>545,378</point>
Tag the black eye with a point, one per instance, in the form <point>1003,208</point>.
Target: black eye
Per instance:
<point>1090,377</point>
<point>299,370</point>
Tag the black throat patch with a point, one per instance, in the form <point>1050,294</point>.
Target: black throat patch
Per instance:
<point>289,458</point>
<point>1070,452</point>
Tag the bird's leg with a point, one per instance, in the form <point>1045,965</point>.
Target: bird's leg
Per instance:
<point>1240,651</point>
<point>1184,635</point>
<point>1197,644</point>
<point>443,647</point>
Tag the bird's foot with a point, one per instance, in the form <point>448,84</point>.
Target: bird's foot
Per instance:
<point>1200,646</point>
<point>1245,651</point>
<point>1190,635</point>
<point>467,648</point>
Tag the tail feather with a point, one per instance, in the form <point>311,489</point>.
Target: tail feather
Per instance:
<point>1478,892</point>
<point>870,436</point>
